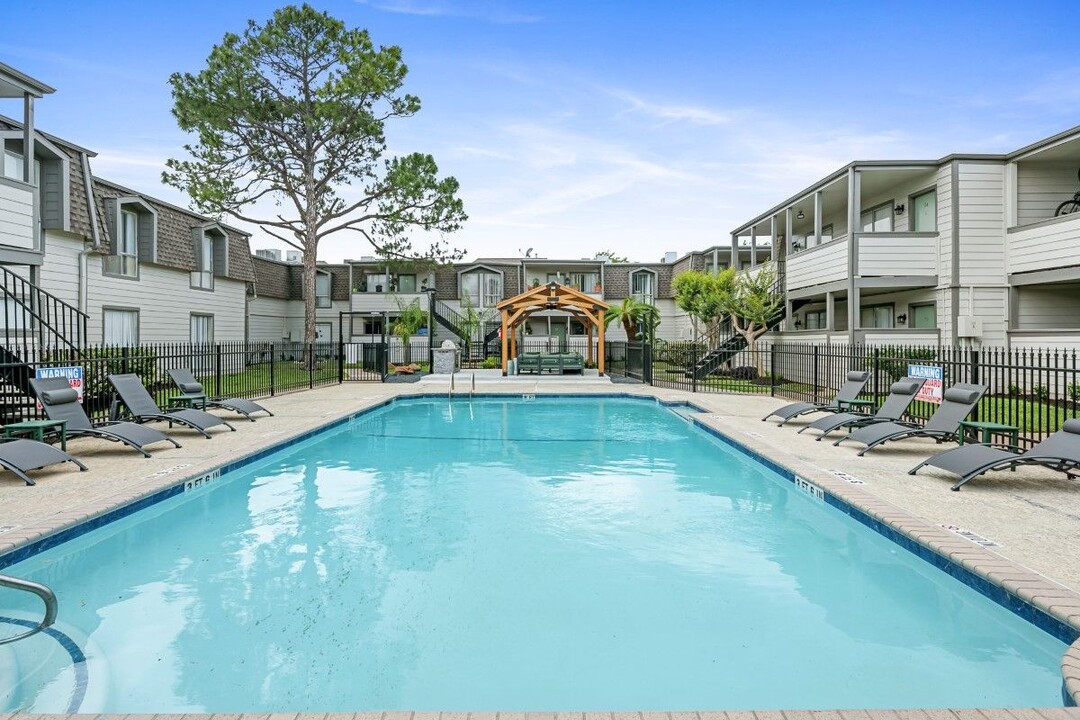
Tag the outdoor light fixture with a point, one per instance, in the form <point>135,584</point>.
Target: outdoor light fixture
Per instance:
<point>800,215</point>
<point>899,209</point>
<point>798,323</point>
<point>901,319</point>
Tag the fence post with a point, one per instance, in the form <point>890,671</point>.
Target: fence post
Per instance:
<point>273,362</point>
<point>877,371</point>
<point>693,367</point>
<point>217,369</point>
<point>311,365</point>
<point>974,375</point>
<point>815,374</point>
<point>772,369</point>
<point>341,359</point>
<point>124,355</point>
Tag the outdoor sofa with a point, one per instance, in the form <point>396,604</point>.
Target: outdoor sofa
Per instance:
<point>561,363</point>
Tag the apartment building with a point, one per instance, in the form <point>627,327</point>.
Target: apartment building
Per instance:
<point>86,261</point>
<point>965,249</point>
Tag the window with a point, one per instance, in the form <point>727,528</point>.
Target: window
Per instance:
<point>826,233</point>
<point>120,327</point>
<point>584,282</point>
<point>924,212</point>
<point>322,290</point>
<point>372,326</point>
<point>481,288</point>
<point>815,320</point>
<point>126,260</point>
<point>203,277</point>
<point>577,328</point>
<point>876,316</point>
<point>12,167</point>
<point>641,286</point>
<point>924,317</point>
<point>406,283</point>
<point>202,329</point>
<point>877,219</point>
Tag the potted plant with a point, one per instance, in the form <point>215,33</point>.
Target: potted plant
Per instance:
<point>536,282</point>
<point>597,287</point>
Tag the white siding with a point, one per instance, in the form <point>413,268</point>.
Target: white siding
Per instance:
<point>1041,187</point>
<point>16,215</point>
<point>1046,307</point>
<point>1035,340</point>
<point>1045,247</point>
<point>884,254</point>
<point>982,223</point>
<point>822,264</point>
<point>273,319</point>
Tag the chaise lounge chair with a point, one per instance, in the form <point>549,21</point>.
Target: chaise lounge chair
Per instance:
<point>186,382</point>
<point>61,402</point>
<point>21,455</point>
<point>856,381</point>
<point>901,394</point>
<point>957,402</point>
<point>1060,451</point>
<point>141,406</point>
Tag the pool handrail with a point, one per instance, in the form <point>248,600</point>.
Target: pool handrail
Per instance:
<point>42,591</point>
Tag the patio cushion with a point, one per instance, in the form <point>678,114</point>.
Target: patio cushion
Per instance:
<point>962,396</point>
<point>59,397</point>
<point>905,387</point>
<point>191,388</point>
<point>856,375</point>
<point>1072,426</point>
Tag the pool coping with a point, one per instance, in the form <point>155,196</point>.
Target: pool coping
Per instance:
<point>1051,607</point>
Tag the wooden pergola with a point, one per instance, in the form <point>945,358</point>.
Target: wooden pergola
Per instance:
<point>553,296</point>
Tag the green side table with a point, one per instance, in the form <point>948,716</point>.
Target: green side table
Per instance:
<point>37,430</point>
<point>988,429</point>
<point>860,406</point>
<point>188,400</point>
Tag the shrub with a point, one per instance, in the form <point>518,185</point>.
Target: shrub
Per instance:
<point>1014,390</point>
<point>746,372</point>
<point>680,352</point>
<point>490,363</point>
<point>1041,392</point>
<point>894,359</point>
<point>1074,392</point>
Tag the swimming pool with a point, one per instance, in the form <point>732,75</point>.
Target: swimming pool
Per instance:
<point>499,554</point>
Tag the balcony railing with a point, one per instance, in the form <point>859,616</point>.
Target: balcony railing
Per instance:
<point>17,201</point>
<point>1044,245</point>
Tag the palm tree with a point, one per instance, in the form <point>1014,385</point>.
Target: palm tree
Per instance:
<point>633,315</point>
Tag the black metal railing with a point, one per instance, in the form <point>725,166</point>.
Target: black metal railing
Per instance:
<point>1035,390</point>
<point>35,320</point>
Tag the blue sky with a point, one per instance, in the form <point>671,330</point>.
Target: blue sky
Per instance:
<point>575,127</point>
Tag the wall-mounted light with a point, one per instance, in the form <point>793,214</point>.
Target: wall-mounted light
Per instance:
<point>899,209</point>
<point>798,323</point>
<point>800,215</point>
<point>901,319</point>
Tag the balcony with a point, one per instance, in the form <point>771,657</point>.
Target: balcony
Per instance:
<point>17,215</point>
<point>386,301</point>
<point>894,254</point>
<point>1044,245</point>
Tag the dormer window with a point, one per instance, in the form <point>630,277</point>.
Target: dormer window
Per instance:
<point>48,173</point>
<point>322,289</point>
<point>211,255</point>
<point>133,227</point>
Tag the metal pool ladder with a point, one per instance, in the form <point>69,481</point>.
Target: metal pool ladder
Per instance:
<point>47,596</point>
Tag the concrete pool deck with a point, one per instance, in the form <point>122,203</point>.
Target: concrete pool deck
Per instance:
<point>1032,516</point>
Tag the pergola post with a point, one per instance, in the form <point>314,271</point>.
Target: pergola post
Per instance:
<point>503,338</point>
<point>600,350</point>
<point>589,354</point>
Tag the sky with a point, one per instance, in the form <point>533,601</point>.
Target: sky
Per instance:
<point>581,126</point>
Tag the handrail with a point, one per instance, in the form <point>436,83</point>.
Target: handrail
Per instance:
<point>65,323</point>
<point>47,596</point>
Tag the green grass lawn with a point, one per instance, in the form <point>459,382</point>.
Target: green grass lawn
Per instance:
<point>256,378</point>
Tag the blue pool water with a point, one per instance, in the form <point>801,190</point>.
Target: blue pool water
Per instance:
<point>556,554</point>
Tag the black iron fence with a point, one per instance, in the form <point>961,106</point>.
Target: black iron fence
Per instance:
<point>1034,390</point>
<point>231,369</point>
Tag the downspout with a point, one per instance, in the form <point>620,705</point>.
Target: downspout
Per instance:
<point>95,236</point>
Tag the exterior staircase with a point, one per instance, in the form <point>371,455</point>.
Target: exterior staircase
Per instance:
<point>38,327</point>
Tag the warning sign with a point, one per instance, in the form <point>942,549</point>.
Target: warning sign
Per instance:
<point>932,389</point>
<point>74,377</point>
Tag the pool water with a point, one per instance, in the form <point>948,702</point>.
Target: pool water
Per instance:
<point>500,554</point>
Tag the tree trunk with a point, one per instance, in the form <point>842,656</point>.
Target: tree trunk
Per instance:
<point>631,331</point>
<point>309,302</point>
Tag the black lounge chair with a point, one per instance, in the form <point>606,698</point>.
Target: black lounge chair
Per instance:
<point>187,384</point>
<point>61,402</point>
<point>856,381</point>
<point>901,394</point>
<point>1060,451</point>
<point>136,399</point>
<point>957,402</point>
<point>21,455</point>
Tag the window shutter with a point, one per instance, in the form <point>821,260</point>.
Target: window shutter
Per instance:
<point>147,237</point>
<point>112,217</point>
<point>221,255</point>
<point>196,241</point>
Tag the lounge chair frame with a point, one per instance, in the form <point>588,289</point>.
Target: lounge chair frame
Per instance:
<point>853,385</point>
<point>78,422</point>
<point>901,394</point>
<point>183,377</point>
<point>20,455</point>
<point>140,405</point>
